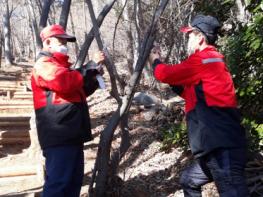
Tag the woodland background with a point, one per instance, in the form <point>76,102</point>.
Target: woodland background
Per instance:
<point>125,31</point>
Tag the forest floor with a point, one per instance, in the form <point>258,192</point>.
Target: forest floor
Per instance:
<point>145,170</point>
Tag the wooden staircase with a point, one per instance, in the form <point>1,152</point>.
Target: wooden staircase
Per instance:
<point>18,167</point>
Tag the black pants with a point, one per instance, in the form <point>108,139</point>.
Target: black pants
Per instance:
<point>65,169</point>
<point>223,166</point>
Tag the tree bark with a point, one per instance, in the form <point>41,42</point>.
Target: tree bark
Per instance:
<point>1,47</point>
<point>64,13</point>
<point>44,14</point>
<point>7,35</point>
<point>124,146</point>
<point>73,32</point>
<point>32,16</point>
<point>90,36</point>
<point>242,13</point>
<point>108,62</point>
<point>101,169</point>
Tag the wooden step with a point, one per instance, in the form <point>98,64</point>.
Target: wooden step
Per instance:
<point>14,121</point>
<point>24,103</point>
<point>23,97</point>
<point>23,93</point>
<point>16,111</point>
<point>23,106</point>
<point>8,124</point>
<point>16,105</point>
<point>14,118</point>
<point>14,133</point>
<point>14,140</point>
<point>14,130</point>
<point>20,170</point>
<point>13,88</point>
<point>6,77</point>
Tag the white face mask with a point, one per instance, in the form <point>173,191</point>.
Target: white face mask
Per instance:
<point>193,44</point>
<point>60,48</point>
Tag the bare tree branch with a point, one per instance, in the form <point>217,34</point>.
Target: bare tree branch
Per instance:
<point>63,20</point>
<point>90,36</point>
<point>108,62</point>
<point>103,154</point>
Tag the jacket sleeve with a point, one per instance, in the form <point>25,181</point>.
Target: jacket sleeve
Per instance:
<point>90,82</point>
<point>89,73</point>
<point>55,78</point>
<point>185,73</point>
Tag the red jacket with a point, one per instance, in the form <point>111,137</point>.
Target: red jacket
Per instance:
<point>53,73</point>
<point>206,66</point>
<point>61,109</point>
<point>205,83</point>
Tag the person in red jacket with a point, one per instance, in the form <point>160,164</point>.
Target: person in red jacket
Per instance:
<point>62,116</point>
<point>216,137</point>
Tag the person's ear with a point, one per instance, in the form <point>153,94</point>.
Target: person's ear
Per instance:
<point>48,42</point>
<point>201,39</point>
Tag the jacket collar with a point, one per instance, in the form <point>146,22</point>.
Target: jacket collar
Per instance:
<point>60,58</point>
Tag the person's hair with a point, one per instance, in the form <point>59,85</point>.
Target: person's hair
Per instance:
<point>209,38</point>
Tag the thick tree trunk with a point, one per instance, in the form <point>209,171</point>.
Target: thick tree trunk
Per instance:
<point>7,35</point>
<point>44,14</point>
<point>64,13</point>
<point>101,170</point>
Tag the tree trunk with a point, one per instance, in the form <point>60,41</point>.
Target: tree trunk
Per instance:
<point>32,16</point>
<point>242,13</point>
<point>64,13</point>
<point>101,168</point>
<point>44,14</point>
<point>108,61</point>
<point>128,31</point>
<point>124,146</point>
<point>34,46</point>
<point>1,47</point>
<point>7,35</point>
<point>73,32</point>
<point>90,36</point>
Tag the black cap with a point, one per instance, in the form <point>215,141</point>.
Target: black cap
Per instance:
<point>208,25</point>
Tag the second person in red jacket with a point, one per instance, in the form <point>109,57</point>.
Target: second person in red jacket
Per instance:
<point>216,137</point>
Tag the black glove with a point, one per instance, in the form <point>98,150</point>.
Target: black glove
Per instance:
<point>89,73</point>
<point>177,89</point>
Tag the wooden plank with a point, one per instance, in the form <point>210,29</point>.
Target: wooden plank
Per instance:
<point>26,170</point>
<point>14,133</point>
<point>12,140</point>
